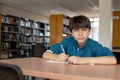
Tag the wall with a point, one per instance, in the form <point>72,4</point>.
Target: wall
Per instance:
<point>106,23</point>
<point>22,13</point>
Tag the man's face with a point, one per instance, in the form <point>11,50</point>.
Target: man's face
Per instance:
<point>81,35</point>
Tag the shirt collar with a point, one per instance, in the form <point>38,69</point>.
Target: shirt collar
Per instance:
<point>77,46</point>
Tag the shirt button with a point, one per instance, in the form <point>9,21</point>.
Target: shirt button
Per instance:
<point>77,48</point>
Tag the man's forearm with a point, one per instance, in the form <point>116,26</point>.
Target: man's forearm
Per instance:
<point>48,55</point>
<point>102,60</point>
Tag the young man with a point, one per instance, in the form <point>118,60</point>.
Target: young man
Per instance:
<point>79,49</point>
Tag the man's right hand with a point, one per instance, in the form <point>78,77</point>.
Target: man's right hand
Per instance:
<point>62,57</point>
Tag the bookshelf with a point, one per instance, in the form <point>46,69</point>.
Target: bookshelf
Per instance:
<point>9,31</point>
<point>0,30</point>
<point>46,35</point>
<point>58,28</point>
<point>24,33</point>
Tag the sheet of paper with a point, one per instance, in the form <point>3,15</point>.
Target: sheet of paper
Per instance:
<point>52,61</point>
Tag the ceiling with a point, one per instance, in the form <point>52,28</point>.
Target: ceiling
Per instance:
<point>70,8</point>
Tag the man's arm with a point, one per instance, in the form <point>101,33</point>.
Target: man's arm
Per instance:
<point>62,57</point>
<point>92,60</point>
<point>49,55</point>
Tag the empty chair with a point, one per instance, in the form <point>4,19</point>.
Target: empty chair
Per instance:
<point>37,50</point>
<point>10,72</point>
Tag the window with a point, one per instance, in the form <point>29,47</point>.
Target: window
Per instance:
<point>94,29</point>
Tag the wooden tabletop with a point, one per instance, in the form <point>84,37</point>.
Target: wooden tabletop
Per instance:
<point>38,67</point>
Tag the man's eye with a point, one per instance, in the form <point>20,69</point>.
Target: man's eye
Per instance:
<point>75,30</point>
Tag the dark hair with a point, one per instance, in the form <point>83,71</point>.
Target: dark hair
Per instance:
<point>80,21</point>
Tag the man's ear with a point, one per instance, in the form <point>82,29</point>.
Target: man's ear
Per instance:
<point>89,31</point>
<point>71,34</point>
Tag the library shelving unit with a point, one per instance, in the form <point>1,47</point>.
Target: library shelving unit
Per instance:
<point>0,29</point>
<point>46,35</point>
<point>20,34</point>
<point>58,28</point>
<point>10,34</point>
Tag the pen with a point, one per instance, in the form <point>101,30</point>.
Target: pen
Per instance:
<point>62,48</point>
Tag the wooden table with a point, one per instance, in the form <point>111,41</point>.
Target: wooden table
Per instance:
<point>38,67</point>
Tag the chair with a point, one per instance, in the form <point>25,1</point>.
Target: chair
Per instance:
<point>117,55</point>
<point>10,72</point>
<point>38,50</point>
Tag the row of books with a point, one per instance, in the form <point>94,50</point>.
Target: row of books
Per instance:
<point>7,28</point>
<point>22,22</point>
<point>10,37</point>
<point>13,45</point>
<point>38,39</point>
<point>10,20</point>
<point>31,39</point>
<point>30,23</point>
<point>66,21</point>
<point>24,38</point>
<point>31,32</point>
<point>25,30</point>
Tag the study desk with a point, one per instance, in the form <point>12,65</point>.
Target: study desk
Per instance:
<point>39,67</point>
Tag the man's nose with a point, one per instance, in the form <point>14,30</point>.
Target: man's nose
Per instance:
<point>79,32</point>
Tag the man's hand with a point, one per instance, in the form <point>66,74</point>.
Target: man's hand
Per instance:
<point>62,57</point>
<point>77,60</point>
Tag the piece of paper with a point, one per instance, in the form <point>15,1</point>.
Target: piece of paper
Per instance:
<point>52,61</point>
